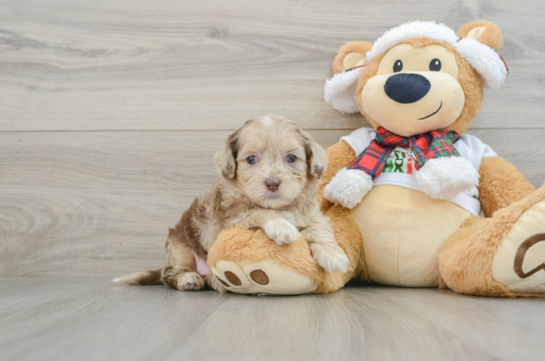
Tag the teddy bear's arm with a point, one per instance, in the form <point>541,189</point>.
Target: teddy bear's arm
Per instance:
<point>340,155</point>
<point>500,185</point>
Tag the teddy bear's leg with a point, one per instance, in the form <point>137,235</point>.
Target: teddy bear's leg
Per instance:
<point>499,256</point>
<point>248,261</point>
<point>349,238</point>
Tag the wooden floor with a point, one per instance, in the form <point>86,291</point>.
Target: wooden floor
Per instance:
<point>93,319</point>
<point>110,113</point>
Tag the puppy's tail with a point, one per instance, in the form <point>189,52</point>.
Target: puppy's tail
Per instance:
<point>142,278</point>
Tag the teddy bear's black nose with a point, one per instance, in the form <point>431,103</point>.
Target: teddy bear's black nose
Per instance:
<point>406,87</point>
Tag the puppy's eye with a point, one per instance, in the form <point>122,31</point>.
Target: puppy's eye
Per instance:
<point>291,158</point>
<point>435,65</point>
<point>251,160</point>
<point>398,65</point>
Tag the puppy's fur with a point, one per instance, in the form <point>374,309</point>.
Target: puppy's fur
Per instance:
<point>277,194</point>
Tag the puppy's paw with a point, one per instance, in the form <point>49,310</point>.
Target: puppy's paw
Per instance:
<point>330,257</point>
<point>190,281</point>
<point>281,231</point>
<point>215,283</point>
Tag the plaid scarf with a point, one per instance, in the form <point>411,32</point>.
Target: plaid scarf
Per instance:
<point>423,147</point>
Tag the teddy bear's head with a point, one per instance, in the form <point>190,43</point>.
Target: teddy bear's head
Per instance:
<point>419,77</point>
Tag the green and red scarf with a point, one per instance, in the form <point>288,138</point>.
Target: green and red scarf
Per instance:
<point>423,147</point>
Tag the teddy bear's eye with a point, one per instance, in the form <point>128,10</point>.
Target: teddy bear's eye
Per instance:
<point>398,65</point>
<point>435,65</point>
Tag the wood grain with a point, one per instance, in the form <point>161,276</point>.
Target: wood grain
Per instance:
<point>100,203</point>
<point>189,65</point>
<point>93,319</point>
<point>111,111</point>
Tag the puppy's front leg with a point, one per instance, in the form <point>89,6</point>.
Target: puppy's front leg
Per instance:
<point>275,226</point>
<point>324,247</point>
<point>281,231</point>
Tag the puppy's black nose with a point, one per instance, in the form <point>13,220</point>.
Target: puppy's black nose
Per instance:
<point>406,88</point>
<point>272,184</point>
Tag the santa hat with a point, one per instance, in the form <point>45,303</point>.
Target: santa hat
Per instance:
<point>340,90</point>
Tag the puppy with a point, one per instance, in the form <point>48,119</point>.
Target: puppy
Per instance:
<point>271,170</point>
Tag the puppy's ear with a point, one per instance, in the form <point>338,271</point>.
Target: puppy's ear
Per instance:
<point>485,32</point>
<point>350,55</point>
<point>316,156</point>
<point>225,158</point>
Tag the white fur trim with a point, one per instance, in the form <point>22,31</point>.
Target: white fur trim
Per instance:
<point>444,178</point>
<point>348,187</point>
<point>339,91</point>
<point>481,57</point>
<point>411,29</point>
<point>116,279</point>
<point>485,60</point>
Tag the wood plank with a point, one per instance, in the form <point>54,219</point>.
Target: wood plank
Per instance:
<point>477,320</point>
<point>66,321</point>
<point>101,321</point>
<point>186,65</point>
<point>100,203</point>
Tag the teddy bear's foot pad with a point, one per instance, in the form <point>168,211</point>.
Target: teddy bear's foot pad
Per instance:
<point>519,261</point>
<point>266,277</point>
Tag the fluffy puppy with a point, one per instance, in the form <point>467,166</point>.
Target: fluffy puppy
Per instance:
<point>271,170</point>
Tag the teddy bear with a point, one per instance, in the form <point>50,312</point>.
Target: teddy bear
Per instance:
<point>414,201</point>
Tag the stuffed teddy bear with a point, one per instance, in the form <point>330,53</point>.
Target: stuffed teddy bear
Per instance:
<point>406,197</point>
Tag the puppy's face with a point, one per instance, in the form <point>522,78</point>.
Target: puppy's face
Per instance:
<point>271,160</point>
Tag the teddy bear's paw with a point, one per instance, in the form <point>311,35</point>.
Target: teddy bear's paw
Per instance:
<point>265,277</point>
<point>281,231</point>
<point>444,178</point>
<point>330,257</point>
<point>215,283</point>
<point>519,260</point>
<point>190,281</point>
<point>348,187</point>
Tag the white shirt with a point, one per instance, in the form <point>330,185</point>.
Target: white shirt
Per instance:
<point>399,169</point>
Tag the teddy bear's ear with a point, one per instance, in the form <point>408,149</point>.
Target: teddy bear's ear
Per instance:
<point>485,32</point>
<point>350,55</point>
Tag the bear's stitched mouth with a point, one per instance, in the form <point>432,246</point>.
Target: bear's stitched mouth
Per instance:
<point>435,112</point>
